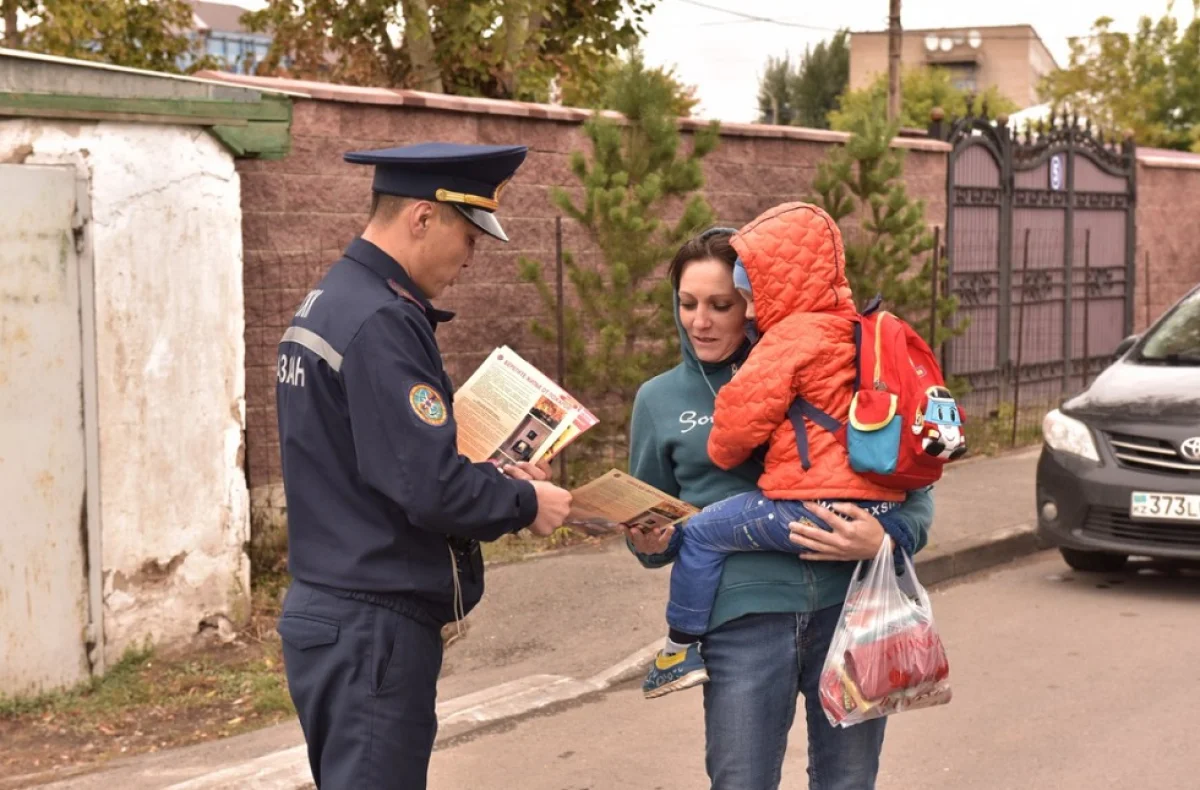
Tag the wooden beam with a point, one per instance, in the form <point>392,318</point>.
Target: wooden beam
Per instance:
<point>248,129</point>
<point>133,117</point>
<point>270,108</point>
<point>263,140</point>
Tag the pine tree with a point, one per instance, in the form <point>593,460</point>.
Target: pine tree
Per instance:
<point>804,94</point>
<point>775,92</point>
<point>823,76</point>
<point>623,330</point>
<point>861,186</point>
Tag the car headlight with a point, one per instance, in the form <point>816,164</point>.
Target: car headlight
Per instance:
<point>1068,435</point>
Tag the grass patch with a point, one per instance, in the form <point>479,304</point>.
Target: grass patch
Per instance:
<point>150,701</point>
<point>994,434</point>
<point>143,685</point>
<point>119,688</point>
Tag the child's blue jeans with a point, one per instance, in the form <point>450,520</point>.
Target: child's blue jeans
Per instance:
<point>746,522</point>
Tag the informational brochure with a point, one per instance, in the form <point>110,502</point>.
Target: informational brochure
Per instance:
<point>509,411</point>
<point>617,500</point>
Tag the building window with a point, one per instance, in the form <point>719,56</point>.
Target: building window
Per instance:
<point>239,53</point>
<point>963,77</point>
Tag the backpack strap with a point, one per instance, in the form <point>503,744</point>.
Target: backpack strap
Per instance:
<point>872,305</point>
<point>857,356</point>
<point>800,409</point>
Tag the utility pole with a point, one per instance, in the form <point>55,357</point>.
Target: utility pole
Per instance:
<point>893,106</point>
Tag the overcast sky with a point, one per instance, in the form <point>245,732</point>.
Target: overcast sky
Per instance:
<point>723,53</point>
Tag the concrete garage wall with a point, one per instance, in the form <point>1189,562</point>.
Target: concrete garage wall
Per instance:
<point>167,255</point>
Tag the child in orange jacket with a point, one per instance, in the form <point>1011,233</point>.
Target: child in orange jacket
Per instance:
<point>792,393</point>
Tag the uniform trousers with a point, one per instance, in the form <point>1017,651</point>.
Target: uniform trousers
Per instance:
<point>363,677</point>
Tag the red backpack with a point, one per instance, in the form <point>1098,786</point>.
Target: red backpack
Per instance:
<point>904,425</point>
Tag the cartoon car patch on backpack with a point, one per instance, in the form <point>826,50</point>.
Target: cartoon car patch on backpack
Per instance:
<point>940,425</point>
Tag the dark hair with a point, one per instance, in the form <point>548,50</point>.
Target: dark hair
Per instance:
<point>712,243</point>
<point>385,208</point>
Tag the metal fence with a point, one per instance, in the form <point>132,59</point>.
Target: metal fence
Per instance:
<point>1039,253</point>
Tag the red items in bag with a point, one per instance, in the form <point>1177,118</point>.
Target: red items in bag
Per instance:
<point>911,658</point>
<point>886,655</point>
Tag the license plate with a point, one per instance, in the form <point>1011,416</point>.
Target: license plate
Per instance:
<point>1173,507</point>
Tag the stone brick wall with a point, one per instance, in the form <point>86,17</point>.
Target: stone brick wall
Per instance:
<point>1168,244</point>
<point>301,211</point>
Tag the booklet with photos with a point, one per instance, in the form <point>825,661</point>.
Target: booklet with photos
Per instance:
<point>509,411</point>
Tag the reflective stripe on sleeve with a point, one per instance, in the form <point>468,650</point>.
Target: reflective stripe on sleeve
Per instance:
<point>314,343</point>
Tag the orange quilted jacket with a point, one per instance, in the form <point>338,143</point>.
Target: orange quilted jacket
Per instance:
<point>794,257</point>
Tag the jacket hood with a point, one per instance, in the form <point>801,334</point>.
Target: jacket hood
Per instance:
<point>796,262</point>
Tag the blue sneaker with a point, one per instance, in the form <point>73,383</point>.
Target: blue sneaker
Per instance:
<point>675,671</point>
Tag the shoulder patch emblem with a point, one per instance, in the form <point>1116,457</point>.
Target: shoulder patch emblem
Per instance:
<point>428,405</point>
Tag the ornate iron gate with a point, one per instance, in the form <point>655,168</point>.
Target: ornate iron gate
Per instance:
<point>1040,247</point>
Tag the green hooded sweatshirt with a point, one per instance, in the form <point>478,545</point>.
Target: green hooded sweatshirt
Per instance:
<point>672,417</point>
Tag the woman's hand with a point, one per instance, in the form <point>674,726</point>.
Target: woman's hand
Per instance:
<point>856,534</point>
<point>653,542</point>
<point>523,470</point>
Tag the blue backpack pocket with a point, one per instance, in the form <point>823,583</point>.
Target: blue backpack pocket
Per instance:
<point>873,432</point>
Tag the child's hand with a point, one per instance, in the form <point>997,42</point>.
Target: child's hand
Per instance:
<point>653,542</point>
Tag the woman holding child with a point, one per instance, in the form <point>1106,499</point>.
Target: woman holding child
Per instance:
<point>757,638</point>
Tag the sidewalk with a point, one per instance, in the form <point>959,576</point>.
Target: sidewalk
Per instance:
<point>573,614</point>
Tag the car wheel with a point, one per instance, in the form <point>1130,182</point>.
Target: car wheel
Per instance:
<point>1094,561</point>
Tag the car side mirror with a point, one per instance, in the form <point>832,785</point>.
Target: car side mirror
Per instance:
<point>1125,345</point>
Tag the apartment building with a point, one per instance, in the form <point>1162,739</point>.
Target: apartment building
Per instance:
<point>1011,57</point>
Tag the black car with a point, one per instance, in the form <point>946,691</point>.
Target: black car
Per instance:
<point>1119,473</point>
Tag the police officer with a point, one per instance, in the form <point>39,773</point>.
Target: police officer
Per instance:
<point>384,515</point>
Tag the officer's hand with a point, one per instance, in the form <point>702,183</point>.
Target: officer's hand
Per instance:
<point>524,470</point>
<point>654,541</point>
<point>553,505</point>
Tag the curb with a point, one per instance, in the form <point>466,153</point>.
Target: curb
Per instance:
<point>462,715</point>
<point>287,769</point>
<point>977,554</point>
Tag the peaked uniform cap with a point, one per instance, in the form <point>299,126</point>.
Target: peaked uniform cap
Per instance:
<point>469,177</point>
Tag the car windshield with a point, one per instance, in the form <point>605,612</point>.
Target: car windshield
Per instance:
<point>1176,341</point>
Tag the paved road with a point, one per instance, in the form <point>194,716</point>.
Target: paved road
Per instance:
<point>1062,681</point>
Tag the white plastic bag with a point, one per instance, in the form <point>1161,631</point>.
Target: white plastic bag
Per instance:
<point>886,655</point>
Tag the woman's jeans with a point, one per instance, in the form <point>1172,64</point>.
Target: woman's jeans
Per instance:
<point>757,666</point>
<point>746,522</point>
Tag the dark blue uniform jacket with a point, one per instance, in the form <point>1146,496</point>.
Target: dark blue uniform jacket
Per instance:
<point>379,500</point>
